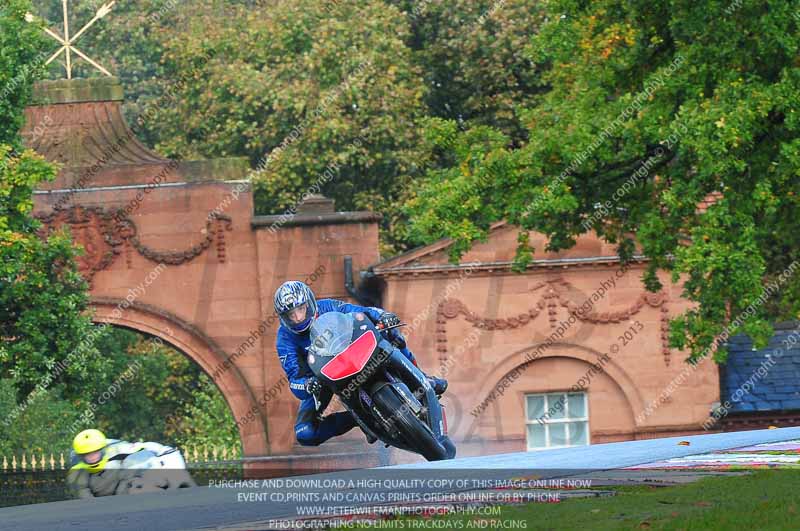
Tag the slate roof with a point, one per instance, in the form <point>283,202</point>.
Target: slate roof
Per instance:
<point>776,386</point>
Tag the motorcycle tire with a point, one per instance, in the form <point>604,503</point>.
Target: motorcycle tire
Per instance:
<point>417,434</point>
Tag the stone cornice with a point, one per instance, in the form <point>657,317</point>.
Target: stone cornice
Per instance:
<point>55,92</point>
<point>417,253</point>
<point>297,220</point>
<point>500,267</point>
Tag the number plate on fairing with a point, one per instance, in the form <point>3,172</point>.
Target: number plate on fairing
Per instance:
<point>365,397</point>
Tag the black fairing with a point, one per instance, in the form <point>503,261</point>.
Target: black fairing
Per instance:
<point>332,333</point>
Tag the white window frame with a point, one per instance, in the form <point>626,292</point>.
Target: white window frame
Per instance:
<point>547,422</point>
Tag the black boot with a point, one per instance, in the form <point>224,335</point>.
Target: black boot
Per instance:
<point>439,385</point>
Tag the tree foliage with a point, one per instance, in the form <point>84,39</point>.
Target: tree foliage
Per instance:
<point>44,317</point>
<point>145,391</point>
<point>471,55</point>
<point>272,69</point>
<point>206,421</point>
<point>42,297</point>
<point>683,101</point>
<point>166,397</point>
<point>39,426</point>
<point>22,58</point>
<point>316,102</point>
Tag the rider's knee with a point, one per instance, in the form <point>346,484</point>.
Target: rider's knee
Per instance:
<point>305,435</point>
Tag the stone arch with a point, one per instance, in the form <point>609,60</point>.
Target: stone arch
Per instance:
<point>564,350</point>
<point>199,348</point>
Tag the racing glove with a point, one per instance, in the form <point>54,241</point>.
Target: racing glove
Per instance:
<point>313,385</point>
<point>388,319</point>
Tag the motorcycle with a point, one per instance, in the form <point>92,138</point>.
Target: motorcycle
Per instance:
<point>146,471</point>
<point>351,356</point>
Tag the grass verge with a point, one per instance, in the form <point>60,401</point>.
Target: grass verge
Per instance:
<point>764,500</point>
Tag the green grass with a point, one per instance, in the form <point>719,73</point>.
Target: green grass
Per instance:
<point>764,500</point>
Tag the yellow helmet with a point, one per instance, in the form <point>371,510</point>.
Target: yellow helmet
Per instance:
<point>89,445</point>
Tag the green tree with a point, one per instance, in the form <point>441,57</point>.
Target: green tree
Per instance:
<point>43,299</point>
<point>681,100</point>
<point>22,58</point>
<point>38,427</point>
<point>44,324</point>
<point>471,53</point>
<point>303,92</point>
<point>148,391</point>
<point>207,420</point>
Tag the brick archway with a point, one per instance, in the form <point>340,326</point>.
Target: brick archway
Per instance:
<point>201,349</point>
<point>179,238</point>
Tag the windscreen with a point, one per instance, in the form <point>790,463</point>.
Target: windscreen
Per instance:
<point>331,333</point>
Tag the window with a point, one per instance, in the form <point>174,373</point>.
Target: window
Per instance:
<point>556,420</point>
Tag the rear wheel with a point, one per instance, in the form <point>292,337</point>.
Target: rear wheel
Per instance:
<point>416,433</point>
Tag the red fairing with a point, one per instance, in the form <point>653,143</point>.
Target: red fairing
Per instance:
<point>352,359</point>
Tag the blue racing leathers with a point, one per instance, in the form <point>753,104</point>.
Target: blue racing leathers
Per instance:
<point>292,352</point>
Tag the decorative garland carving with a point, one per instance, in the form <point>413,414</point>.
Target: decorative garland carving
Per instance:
<point>105,233</point>
<point>452,308</point>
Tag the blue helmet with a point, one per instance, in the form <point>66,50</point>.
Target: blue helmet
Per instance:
<point>290,297</point>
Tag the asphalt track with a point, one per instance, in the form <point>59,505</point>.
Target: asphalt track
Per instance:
<point>211,508</point>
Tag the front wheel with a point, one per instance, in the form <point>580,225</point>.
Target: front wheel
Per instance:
<point>416,433</point>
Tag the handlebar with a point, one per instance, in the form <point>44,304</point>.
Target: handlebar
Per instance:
<point>380,326</point>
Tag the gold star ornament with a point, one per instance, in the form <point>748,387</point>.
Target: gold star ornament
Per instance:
<point>67,42</point>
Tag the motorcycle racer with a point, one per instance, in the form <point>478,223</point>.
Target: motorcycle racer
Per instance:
<point>297,307</point>
<point>97,467</point>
